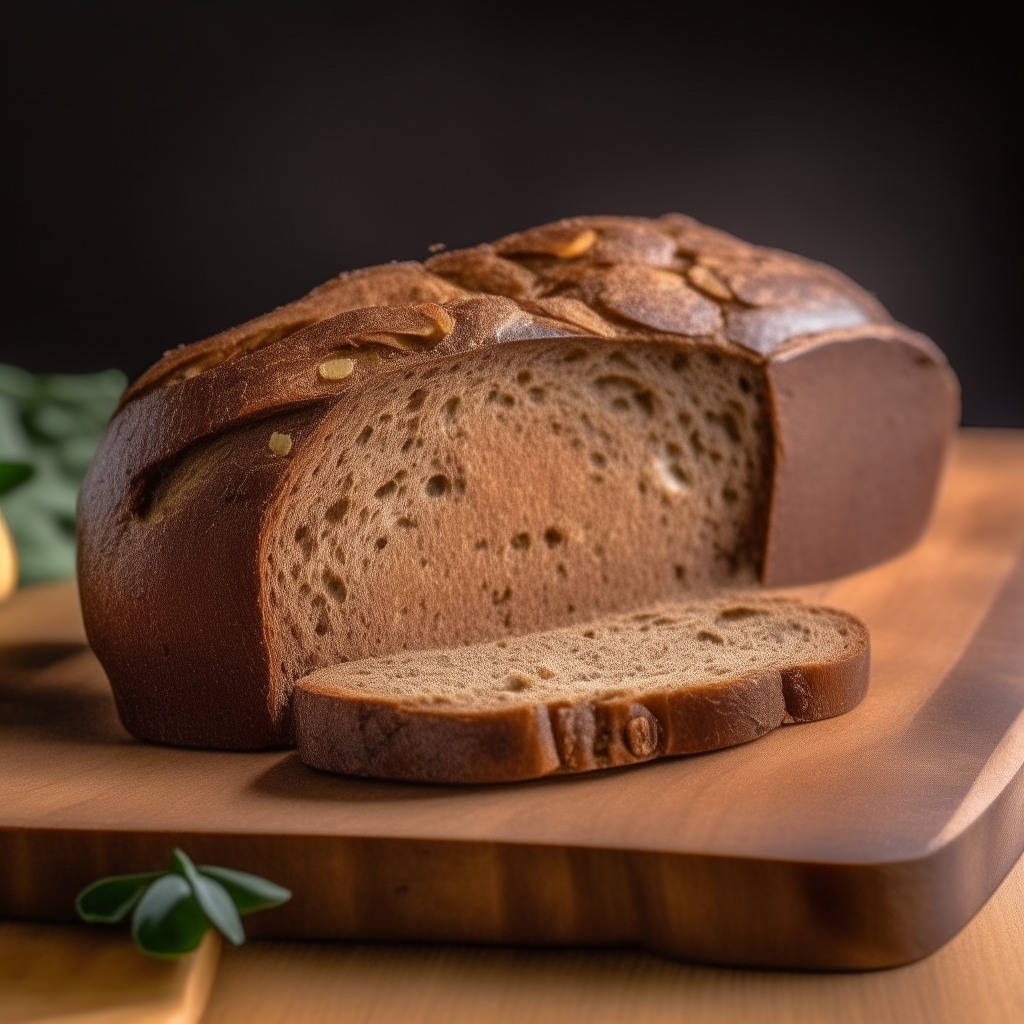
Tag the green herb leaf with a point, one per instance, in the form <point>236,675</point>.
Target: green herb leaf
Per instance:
<point>212,897</point>
<point>168,921</point>
<point>111,899</point>
<point>14,473</point>
<point>249,892</point>
<point>174,909</point>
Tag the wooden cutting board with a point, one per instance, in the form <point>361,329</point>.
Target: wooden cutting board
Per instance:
<point>860,842</point>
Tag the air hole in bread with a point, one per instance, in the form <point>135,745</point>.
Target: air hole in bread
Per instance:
<point>517,681</point>
<point>437,486</point>
<point>304,538</point>
<point>708,636</point>
<point>735,614</point>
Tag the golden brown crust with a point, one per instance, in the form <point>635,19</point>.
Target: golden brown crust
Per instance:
<point>630,277</point>
<point>863,413</point>
<point>394,284</point>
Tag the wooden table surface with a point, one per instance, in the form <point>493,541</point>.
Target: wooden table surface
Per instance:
<point>976,978</point>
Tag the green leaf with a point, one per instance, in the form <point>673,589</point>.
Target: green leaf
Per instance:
<point>249,892</point>
<point>174,909</point>
<point>14,473</point>
<point>167,920</point>
<point>111,899</point>
<point>212,897</point>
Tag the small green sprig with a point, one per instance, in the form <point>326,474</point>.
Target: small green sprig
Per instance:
<point>172,910</point>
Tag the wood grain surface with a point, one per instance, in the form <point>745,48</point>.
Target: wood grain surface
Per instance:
<point>57,974</point>
<point>976,978</point>
<point>864,841</point>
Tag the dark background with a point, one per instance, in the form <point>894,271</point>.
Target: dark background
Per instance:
<point>171,171</point>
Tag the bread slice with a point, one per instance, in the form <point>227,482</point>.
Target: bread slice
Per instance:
<point>579,420</point>
<point>678,679</point>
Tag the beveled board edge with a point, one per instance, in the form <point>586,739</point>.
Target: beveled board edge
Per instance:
<point>704,909</point>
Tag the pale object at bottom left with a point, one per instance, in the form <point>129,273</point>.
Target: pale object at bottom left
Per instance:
<point>59,974</point>
<point>8,561</point>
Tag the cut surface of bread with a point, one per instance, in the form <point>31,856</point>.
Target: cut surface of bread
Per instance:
<point>676,679</point>
<point>537,485</point>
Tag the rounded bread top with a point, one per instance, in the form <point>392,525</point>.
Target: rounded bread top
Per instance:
<point>627,278</point>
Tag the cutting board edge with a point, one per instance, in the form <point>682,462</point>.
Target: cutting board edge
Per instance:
<point>792,914</point>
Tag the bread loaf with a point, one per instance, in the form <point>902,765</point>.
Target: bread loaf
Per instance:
<point>581,419</point>
<point>679,679</point>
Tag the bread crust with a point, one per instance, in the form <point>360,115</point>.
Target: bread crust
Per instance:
<point>392,739</point>
<point>862,408</point>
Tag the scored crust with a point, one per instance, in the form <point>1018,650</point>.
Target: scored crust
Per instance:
<point>677,679</point>
<point>198,593</point>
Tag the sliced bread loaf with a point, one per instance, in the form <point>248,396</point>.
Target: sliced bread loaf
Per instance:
<point>576,421</point>
<point>678,679</point>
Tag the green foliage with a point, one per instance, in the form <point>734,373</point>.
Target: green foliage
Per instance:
<point>12,474</point>
<point>51,423</point>
<point>168,920</point>
<point>248,892</point>
<point>172,910</point>
<point>212,897</point>
<point>111,900</point>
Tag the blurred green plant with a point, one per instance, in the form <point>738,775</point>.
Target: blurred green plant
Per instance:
<point>12,474</point>
<point>50,423</point>
<point>172,910</point>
